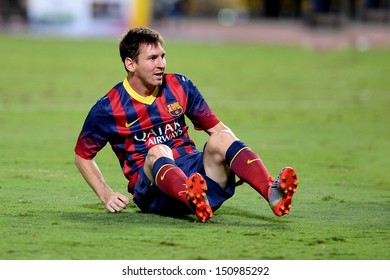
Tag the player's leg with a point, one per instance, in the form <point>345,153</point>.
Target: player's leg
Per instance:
<point>224,152</point>
<point>161,169</point>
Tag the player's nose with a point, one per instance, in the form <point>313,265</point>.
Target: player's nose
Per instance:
<point>161,63</point>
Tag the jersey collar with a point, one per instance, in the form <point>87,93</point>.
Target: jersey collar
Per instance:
<point>143,99</point>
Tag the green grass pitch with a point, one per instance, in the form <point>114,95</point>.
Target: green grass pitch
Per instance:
<point>325,114</point>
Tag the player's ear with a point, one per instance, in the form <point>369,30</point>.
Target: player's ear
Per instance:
<point>130,64</point>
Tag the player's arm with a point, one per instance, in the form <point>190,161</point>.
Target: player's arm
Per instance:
<point>114,201</point>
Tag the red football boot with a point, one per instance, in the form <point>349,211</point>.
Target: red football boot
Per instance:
<point>282,191</point>
<point>196,194</point>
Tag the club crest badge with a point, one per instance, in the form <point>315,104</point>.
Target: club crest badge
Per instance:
<point>175,109</point>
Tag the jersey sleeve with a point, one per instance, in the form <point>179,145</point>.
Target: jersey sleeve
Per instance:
<point>198,111</point>
<point>92,136</point>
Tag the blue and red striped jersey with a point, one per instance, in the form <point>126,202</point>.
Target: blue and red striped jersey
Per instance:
<point>132,124</point>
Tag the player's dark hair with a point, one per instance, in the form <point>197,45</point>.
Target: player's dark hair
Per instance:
<point>135,37</point>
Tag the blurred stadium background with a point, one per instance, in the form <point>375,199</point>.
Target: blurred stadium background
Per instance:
<point>319,24</point>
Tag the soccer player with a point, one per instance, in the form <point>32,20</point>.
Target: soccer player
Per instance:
<point>143,119</point>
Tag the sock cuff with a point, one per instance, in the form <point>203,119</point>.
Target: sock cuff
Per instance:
<point>160,163</point>
<point>233,151</point>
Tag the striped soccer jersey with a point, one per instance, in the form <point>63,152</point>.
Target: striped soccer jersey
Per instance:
<point>132,124</point>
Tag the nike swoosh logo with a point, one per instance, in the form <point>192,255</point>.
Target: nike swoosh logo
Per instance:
<point>163,176</point>
<point>130,124</point>
<point>249,161</point>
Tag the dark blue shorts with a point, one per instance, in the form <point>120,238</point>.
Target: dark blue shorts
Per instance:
<point>150,199</point>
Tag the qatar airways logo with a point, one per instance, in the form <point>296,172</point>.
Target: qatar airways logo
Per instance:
<point>160,134</point>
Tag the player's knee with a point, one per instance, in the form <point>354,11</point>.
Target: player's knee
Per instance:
<point>220,141</point>
<point>156,152</point>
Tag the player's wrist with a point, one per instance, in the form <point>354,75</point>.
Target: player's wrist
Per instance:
<point>106,194</point>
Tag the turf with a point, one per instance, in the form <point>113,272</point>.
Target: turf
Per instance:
<point>326,114</point>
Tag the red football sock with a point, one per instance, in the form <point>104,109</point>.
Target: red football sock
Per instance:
<point>248,166</point>
<point>171,180</point>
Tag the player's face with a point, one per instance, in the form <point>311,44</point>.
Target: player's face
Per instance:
<point>150,66</point>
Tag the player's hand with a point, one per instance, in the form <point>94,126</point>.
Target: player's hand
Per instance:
<point>116,202</point>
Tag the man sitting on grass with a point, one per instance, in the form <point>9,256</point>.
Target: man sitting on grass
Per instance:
<point>143,119</point>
